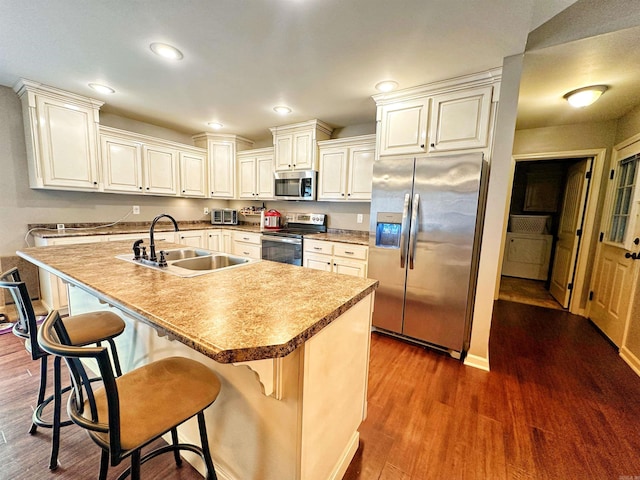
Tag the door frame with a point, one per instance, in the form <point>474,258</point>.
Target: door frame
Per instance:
<point>589,221</point>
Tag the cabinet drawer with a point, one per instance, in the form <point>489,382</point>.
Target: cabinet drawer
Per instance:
<point>315,246</point>
<point>247,250</point>
<point>347,250</point>
<point>247,237</point>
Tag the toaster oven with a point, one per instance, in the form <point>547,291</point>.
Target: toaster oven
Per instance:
<point>224,216</point>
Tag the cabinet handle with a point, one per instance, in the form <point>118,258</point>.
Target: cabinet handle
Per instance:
<point>348,194</point>
<point>317,248</point>
<point>147,188</point>
<point>140,188</point>
<point>245,238</point>
<point>432,145</point>
<point>183,191</point>
<point>328,263</point>
<point>342,194</point>
<point>95,183</point>
<point>348,253</point>
<point>245,253</point>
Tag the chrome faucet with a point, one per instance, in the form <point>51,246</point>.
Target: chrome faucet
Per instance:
<point>152,246</point>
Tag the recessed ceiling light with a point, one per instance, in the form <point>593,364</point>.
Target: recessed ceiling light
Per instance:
<point>282,110</point>
<point>583,97</point>
<point>102,88</point>
<point>166,51</point>
<point>386,86</point>
<point>215,125</point>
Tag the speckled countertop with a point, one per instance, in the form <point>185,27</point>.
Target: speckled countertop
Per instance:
<point>86,229</point>
<point>255,311</point>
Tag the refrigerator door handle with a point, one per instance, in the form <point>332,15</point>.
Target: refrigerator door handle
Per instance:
<point>413,232</point>
<point>403,230</point>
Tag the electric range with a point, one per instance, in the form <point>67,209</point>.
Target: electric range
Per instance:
<point>285,245</point>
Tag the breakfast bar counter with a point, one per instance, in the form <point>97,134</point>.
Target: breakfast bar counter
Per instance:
<point>290,344</point>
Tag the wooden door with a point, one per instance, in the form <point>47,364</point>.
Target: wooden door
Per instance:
<point>571,215</point>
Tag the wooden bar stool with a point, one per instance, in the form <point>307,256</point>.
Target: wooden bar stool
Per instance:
<point>133,410</point>
<point>85,329</point>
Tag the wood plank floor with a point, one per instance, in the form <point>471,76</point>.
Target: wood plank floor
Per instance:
<point>559,403</point>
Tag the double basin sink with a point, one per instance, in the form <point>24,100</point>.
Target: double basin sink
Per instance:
<point>191,262</point>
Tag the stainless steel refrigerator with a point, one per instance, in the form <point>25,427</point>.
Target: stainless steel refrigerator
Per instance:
<point>424,235</point>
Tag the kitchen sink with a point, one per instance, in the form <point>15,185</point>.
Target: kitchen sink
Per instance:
<point>191,262</point>
<point>210,262</point>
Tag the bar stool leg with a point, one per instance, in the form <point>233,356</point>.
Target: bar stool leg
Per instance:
<point>204,440</point>
<point>135,465</point>
<point>176,453</point>
<point>114,354</point>
<point>57,400</point>
<point>41,390</point>
<point>104,465</point>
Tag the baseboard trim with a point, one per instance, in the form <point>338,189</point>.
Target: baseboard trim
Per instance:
<point>348,454</point>
<point>477,362</point>
<point>631,360</point>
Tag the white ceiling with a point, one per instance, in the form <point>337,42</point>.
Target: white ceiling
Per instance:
<point>242,57</point>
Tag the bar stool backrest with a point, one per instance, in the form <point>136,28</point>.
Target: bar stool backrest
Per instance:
<point>53,339</point>
<point>26,327</point>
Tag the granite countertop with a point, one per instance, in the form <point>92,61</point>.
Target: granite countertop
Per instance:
<point>86,229</point>
<point>255,311</point>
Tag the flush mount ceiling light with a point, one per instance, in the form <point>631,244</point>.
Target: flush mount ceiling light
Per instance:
<point>102,88</point>
<point>215,125</point>
<point>166,51</point>
<point>282,110</point>
<point>583,97</point>
<point>386,86</point>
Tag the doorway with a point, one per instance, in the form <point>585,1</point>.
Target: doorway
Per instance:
<point>547,263</point>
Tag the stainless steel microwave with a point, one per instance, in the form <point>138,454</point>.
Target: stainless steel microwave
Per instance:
<point>295,185</point>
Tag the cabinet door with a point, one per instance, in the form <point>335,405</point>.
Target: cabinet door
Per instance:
<point>460,120</point>
<point>333,174</point>
<point>221,169</point>
<point>68,144</point>
<point>303,151</point>
<point>193,238</point>
<point>346,267</point>
<point>317,262</point>
<point>360,173</point>
<point>193,174</point>
<point>161,170</point>
<point>121,164</point>
<point>214,240</point>
<point>403,127</point>
<point>284,152</point>
<point>264,177</point>
<point>226,241</point>
<point>247,177</point>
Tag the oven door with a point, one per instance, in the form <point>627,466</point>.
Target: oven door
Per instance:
<point>282,249</point>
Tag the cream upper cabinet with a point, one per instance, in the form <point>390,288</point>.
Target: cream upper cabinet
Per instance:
<point>346,168</point>
<point>460,120</point>
<point>295,146</point>
<point>121,163</point>
<point>136,163</point>
<point>61,131</point>
<point>255,174</point>
<point>221,151</point>
<point>403,127</point>
<point>193,174</point>
<point>445,116</point>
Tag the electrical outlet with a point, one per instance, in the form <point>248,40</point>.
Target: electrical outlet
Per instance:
<point>360,218</point>
<point>60,226</point>
<point>136,209</point>
<point>206,210</point>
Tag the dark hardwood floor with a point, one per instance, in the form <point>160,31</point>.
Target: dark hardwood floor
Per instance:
<point>559,403</point>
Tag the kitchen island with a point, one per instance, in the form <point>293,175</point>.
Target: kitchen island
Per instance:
<point>291,346</point>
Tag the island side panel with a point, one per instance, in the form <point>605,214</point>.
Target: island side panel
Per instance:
<point>334,393</point>
<point>250,435</point>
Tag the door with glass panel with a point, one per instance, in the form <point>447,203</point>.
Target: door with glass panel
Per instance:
<point>614,279</point>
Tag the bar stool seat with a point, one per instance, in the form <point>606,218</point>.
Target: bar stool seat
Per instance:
<point>129,412</point>
<point>85,329</point>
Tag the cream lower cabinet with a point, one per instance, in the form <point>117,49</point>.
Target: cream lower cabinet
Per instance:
<point>192,238</point>
<point>53,291</point>
<point>344,258</point>
<point>61,131</point>
<point>346,168</point>
<point>219,240</point>
<point>247,244</point>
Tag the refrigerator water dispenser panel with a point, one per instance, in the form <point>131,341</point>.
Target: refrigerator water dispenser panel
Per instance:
<point>388,230</point>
